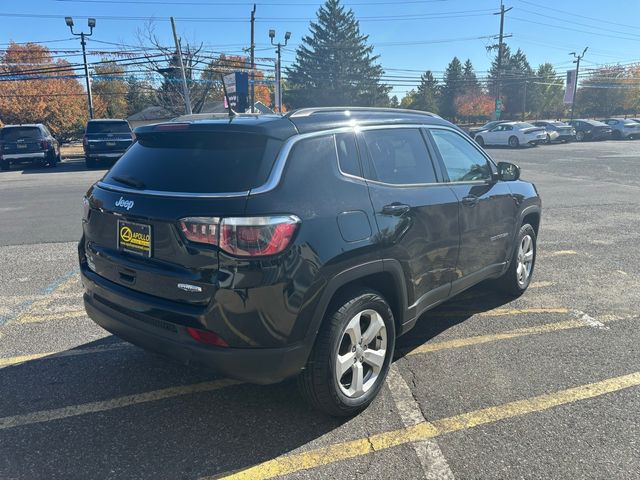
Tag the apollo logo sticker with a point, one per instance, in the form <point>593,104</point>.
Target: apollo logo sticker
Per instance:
<point>127,204</point>
<point>134,238</point>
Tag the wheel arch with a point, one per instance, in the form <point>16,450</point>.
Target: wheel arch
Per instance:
<point>384,276</point>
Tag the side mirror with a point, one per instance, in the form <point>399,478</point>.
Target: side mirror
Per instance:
<point>508,172</point>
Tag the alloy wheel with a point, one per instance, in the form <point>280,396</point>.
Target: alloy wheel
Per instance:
<point>361,353</point>
<point>525,260</point>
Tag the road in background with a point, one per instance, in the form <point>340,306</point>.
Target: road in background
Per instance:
<point>545,386</point>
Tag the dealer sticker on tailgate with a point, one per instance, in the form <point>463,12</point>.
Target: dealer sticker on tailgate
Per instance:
<point>134,238</point>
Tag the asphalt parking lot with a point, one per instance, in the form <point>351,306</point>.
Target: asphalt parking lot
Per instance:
<point>545,386</point>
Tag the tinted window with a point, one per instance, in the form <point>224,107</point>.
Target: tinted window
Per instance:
<point>461,159</point>
<point>11,134</point>
<point>197,162</point>
<point>399,156</point>
<point>108,127</point>
<point>348,154</point>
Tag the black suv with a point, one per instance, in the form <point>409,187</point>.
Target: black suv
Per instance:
<point>106,139</point>
<point>271,246</point>
<point>32,143</point>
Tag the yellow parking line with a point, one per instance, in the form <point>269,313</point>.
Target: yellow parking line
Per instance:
<point>498,312</point>
<point>9,361</point>
<point>51,316</point>
<point>292,463</point>
<point>120,402</point>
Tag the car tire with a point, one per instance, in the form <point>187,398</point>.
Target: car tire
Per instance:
<point>341,341</point>
<point>479,140</point>
<point>52,159</point>
<point>5,165</point>
<point>580,136</point>
<point>90,163</point>
<point>548,140</point>
<point>517,278</point>
<point>514,142</point>
<point>616,135</point>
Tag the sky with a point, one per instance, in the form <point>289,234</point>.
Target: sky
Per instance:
<point>410,36</point>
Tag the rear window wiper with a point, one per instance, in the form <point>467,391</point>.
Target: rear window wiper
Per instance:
<point>132,182</point>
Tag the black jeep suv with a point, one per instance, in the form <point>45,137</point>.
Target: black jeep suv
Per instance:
<point>31,143</point>
<point>106,139</point>
<point>272,246</point>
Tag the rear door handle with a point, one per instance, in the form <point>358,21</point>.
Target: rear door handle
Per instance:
<point>470,201</point>
<point>396,209</point>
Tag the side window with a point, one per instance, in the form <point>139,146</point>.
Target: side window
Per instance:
<point>399,156</point>
<point>508,127</point>
<point>348,154</point>
<point>461,159</point>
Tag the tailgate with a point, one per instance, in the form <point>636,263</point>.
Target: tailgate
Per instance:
<point>171,267</point>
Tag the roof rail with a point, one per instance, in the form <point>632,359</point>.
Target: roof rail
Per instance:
<point>307,112</point>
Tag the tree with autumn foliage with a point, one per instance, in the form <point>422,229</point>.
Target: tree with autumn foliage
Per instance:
<point>474,105</point>
<point>35,88</point>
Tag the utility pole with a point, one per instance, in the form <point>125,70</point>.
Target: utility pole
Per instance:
<point>91,22</point>
<point>524,99</point>
<point>253,64</point>
<point>278,92</point>
<point>500,43</point>
<point>575,85</point>
<point>185,88</point>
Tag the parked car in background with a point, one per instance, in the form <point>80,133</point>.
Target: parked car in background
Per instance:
<point>106,139</point>
<point>487,126</point>
<point>637,120</point>
<point>623,128</point>
<point>513,134</point>
<point>28,143</point>
<point>556,130</point>
<point>590,130</point>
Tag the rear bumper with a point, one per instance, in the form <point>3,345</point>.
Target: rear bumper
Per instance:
<point>23,156</point>
<point>120,314</point>
<point>105,155</point>
<point>566,137</point>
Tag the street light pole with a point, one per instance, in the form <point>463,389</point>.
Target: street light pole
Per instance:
<point>91,23</point>
<point>575,85</point>
<point>278,92</point>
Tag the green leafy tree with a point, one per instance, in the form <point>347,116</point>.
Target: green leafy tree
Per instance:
<point>394,102</point>
<point>110,89</point>
<point>427,97</point>
<point>546,94</point>
<point>408,99</point>
<point>451,89</point>
<point>603,92</point>
<point>469,79</point>
<point>334,64</point>
<point>140,95</point>
<point>515,71</point>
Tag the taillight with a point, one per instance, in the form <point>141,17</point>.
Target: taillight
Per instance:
<point>85,142</point>
<point>205,336</point>
<point>243,236</point>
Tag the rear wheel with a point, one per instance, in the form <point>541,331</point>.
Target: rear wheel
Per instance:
<point>352,354</point>
<point>548,139</point>
<point>480,141</point>
<point>52,159</point>
<point>580,136</point>
<point>617,135</point>
<point>5,165</point>
<point>514,142</point>
<point>518,276</point>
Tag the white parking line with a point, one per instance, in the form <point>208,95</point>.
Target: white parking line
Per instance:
<point>434,465</point>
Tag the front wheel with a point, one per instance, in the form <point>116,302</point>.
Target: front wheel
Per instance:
<point>580,136</point>
<point>514,142</point>
<point>548,141</point>
<point>518,276</point>
<point>480,141</point>
<point>352,354</point>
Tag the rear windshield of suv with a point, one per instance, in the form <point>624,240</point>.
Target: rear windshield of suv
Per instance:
<point>196,162</point>
<point>108,127</point>
<point>11,134</point>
